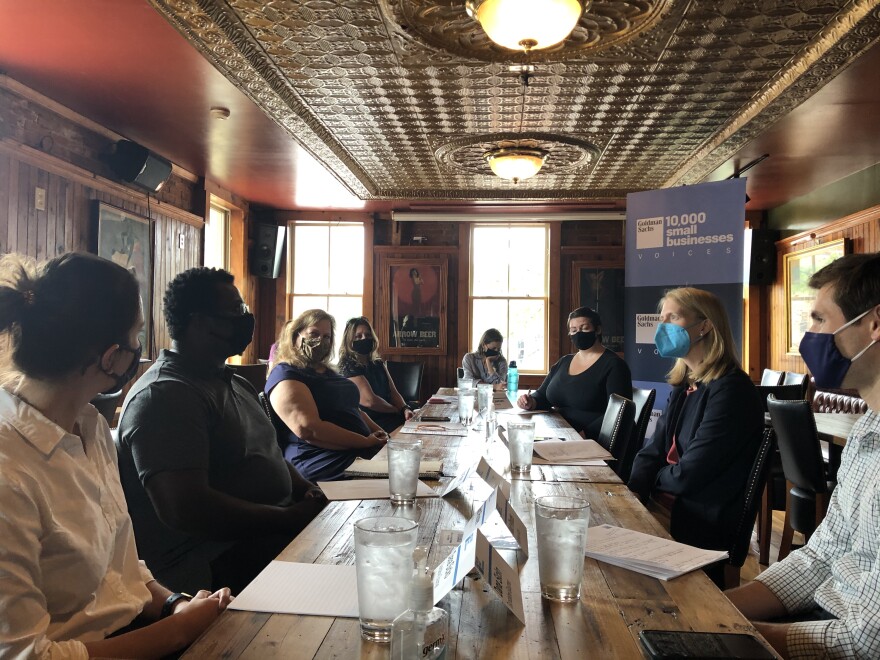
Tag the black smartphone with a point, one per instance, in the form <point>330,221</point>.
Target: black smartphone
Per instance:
<point>460,372</point>
<point>673,644</point>
<point>427,418</point>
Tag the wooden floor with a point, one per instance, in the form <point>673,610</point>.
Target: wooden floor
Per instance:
<point>752,567</point>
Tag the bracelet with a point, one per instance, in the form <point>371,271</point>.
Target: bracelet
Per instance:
<point>170,602</point>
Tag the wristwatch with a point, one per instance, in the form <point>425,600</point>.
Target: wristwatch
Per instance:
<point>170,602</point>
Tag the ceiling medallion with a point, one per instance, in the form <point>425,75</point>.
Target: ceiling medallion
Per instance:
<point>515,163</point>
<point>526,24</point>
<point>469,154</point>
<point>600,25</point>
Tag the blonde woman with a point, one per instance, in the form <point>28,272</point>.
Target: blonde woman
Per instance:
<point>700,456</point>
<point>319,408</point>
<point>359,361</point>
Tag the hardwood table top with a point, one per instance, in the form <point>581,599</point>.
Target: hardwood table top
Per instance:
<point>835,426</point>
<point>615,603</point>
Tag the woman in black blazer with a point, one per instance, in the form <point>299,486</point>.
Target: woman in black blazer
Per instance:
<point>698,461</point>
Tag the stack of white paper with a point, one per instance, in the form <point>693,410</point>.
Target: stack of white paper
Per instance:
<point>570,452</point>
<point>379,468</point>
<point>643,553</point>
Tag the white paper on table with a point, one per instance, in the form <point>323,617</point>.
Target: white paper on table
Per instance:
<point>644,553</point>
<point>366,489</point>
<point>450,537</point>
<point>563,451</point>
<point>520,411</point>
<point>482,514</point>
<point>457,564</point>
<point>286,587</point>
<point>500,575</point>
<point>513,521</point>
<point>434,428</point>
<point>492,477</point>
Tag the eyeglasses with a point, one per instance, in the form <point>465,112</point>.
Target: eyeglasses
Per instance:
<point>430,427</point>
<point>242,310</point>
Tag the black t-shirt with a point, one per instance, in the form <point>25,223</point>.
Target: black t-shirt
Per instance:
<point>373,371</point>
<point>178,416</point>
<point>582,399</point>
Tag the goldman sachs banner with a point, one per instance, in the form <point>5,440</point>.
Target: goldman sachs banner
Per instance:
<point>687,236</point>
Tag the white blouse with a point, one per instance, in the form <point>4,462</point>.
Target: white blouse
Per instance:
<point>69,570</point>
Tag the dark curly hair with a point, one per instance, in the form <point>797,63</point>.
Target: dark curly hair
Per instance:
<point>60,317</point>
<point>192,291</point>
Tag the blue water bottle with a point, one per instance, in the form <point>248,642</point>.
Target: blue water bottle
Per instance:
<point>512,378</point>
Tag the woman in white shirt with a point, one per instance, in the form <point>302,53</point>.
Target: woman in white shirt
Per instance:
<point>70,579</point>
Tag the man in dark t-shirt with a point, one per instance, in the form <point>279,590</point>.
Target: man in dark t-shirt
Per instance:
<point>210,495</point>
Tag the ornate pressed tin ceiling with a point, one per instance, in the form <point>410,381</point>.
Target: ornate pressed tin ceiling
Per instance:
<point>400,98</point>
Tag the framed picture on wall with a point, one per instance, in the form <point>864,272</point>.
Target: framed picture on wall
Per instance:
<point>412,318</point>
<point>127,239</point>
<point>601,288</point>
<point>798,268</point>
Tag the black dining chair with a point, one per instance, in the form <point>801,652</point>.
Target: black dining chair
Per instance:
<point>772,377</point>
<point>106,405</point>
<point>794,378</point>
<point>741,538</point>
<point>643,401</point>
<point>804,469</point>
<point>280,431</point>
<point>407,377</point>
<point>616,431</point>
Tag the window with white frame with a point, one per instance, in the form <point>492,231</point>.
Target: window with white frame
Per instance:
<point>326,269</point>
<point>217,238</point>
<point>509,290</point>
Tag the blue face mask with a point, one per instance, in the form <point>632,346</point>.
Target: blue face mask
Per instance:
<point>672,340</point>
<point>824,359</point>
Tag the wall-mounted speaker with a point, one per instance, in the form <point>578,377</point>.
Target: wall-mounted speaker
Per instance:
<point>268,251</point>
<point>138,165</point>
<point>762,265</point>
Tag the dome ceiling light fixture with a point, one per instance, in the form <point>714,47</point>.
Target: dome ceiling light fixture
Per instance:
<point>526,24</point>
<point>517,162</point>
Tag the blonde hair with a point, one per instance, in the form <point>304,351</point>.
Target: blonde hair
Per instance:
<point>720,354</point>
<point>346,352</point>
<point>288,349</point>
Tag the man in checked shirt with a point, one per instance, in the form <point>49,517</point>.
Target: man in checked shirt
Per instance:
<point>831,586</point>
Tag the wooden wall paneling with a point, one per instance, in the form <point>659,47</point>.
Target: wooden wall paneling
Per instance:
<point>862,228</point>
<point>460,310</point>
<point>12,219</point>
<point>556,303</point>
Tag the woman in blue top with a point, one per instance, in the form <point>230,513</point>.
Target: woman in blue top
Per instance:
<point>318,407</point>
<point>359,361</point>
<point>578,386</point>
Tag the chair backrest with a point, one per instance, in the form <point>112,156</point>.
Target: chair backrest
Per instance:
<point>106,405</point>
<point>742,535</point>
<point>643,401</point>
<point>781,392</point>
<point>255,374</point>
<point>407,377</point>
<point>798,439</point>
<point>794,378</point>
<point>617,426</point>
<point>772,377</point>
<point>280,432</point>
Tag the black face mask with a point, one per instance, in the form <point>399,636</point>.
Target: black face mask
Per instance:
<point>491,352</point>
<point>364,346</point>
<point>128,374</point>
<point>583,340</point>
<point>242,331</point>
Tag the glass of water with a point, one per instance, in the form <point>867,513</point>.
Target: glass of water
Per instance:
<point>521,442</point>
<point>383,549</point>
<point>467,398</point>
<point>403,469</point>
<point>561,527</point>
<point>484,395</point>
<point>466,384</point>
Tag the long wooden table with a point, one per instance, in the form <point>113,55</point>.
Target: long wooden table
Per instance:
<point>834,427</point>
<point>615,603</point>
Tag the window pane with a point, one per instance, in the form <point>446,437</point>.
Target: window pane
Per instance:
<point>347,259</point>
<point>527,340</point>
<point>489,261</point>
<point>528,261</point>
<point>343,308</point>
<point>311,262</point>
<point>216,238</point>
<point>488,314</point>
<point>302,303</point>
